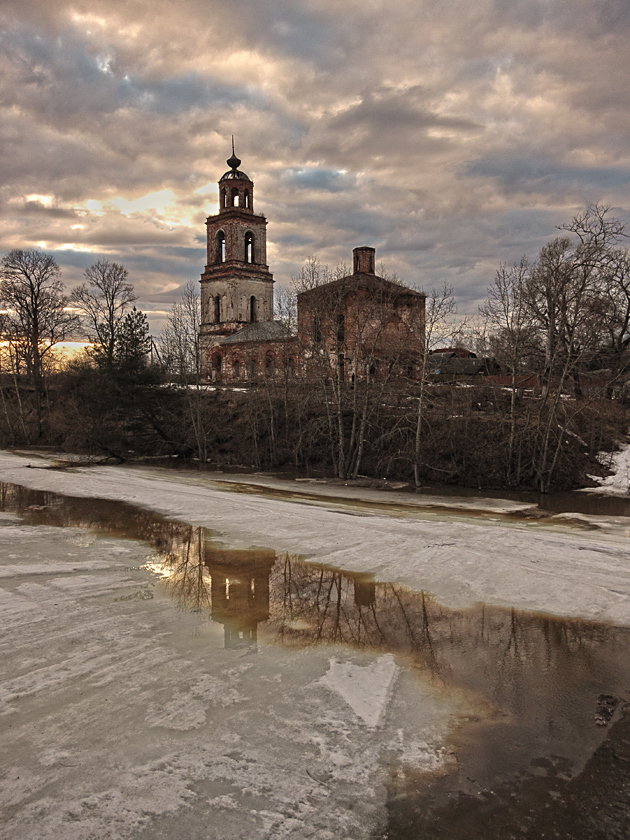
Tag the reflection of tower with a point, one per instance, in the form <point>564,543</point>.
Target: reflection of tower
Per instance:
<point>364,592</point>
<point>240,591</point>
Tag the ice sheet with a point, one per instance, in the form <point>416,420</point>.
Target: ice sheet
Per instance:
<point>560,570</point>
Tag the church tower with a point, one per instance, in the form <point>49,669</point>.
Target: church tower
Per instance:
<point>236,286</point>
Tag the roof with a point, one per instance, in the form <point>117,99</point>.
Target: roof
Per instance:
<point>235,174</point>
<point>259,331</point>
<point>365,281</point>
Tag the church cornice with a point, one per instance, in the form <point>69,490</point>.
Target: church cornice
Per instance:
<point>236,213</point>
<point>232,268</point>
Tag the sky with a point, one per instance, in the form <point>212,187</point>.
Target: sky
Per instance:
<point>450,136</point>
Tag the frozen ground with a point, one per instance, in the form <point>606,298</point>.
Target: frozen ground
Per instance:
<point>125,717</point>
<point>560,568</point>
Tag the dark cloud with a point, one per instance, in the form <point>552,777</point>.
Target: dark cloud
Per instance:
<point>451,136</point>
<point>525,173</point>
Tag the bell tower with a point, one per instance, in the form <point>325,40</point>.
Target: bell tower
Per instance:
<point>236,286</point>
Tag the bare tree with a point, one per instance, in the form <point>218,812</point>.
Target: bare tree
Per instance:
<point>357,333</point>
<point>181,351</point>
<point>565,295</point>
<point>507,314</point>
<point>440,306</point>
<point>104,301</point>
<point>615,302</point>
<point>180,337</point>
<point>38,318</point>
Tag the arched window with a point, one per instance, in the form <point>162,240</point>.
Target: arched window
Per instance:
<point>269,366</point>
<point>235,197</point>
<point>216,365</point>
<point>246,199</point>
<point>217,310</point>
<point>252,369</point>
<point>237,369</point>
<point>223,194</point>
<point>253,309</point>
<point>249,247</point>
<point>220,254</point>
<point>290,367</point>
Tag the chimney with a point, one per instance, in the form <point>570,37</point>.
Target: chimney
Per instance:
<point>363,260</point>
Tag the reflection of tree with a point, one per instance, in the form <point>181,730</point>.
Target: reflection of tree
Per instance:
<point>498,651</point>
<point>188,580</point>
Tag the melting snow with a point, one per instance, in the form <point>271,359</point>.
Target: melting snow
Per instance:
<point>365,688</point>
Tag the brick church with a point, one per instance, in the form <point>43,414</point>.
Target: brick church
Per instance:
<point>354,328</point>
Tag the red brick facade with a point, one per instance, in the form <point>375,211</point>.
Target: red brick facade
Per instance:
<point>358,327</point>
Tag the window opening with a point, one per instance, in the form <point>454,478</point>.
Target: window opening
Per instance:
<point>237,369</point>
<point>220,246</point>
<point>252,369</point>
<point>217,310</point>
<point>253,309</point>
<point>246,199</point>
<point>249,247</point>
<point>269,365</point>
<point>235,197</point>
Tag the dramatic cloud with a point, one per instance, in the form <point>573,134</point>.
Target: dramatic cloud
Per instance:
<point>450,136</point>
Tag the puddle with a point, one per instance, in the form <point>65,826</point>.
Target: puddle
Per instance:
<point>552,728</point>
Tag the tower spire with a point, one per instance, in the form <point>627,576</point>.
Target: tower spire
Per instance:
<point>233,162</point>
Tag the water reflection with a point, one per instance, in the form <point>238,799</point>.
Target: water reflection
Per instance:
<point>239,592</point>
<point>515,659</point>
<point>548,687</point>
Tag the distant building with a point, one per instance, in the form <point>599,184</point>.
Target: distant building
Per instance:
<point>355,327</point>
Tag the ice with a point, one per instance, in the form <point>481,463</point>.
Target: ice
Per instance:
<point>126,718</point>
<point>561,569</point>
<point>366,689</point>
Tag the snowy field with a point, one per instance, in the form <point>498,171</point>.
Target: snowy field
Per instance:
<point>124,716</point>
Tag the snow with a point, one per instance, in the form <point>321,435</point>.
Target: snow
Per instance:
<point>618,483</point>
<point>437,545</point>
<point>125,716</point>
<point>366,689</point>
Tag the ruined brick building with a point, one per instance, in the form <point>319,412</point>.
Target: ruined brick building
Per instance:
<point>355,327</point>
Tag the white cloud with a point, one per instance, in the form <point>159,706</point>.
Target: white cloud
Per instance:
<point>452,136</point>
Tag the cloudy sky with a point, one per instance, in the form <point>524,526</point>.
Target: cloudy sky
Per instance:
<point>449,135</point>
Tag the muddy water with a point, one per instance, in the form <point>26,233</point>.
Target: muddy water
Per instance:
<point>548,756</point>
